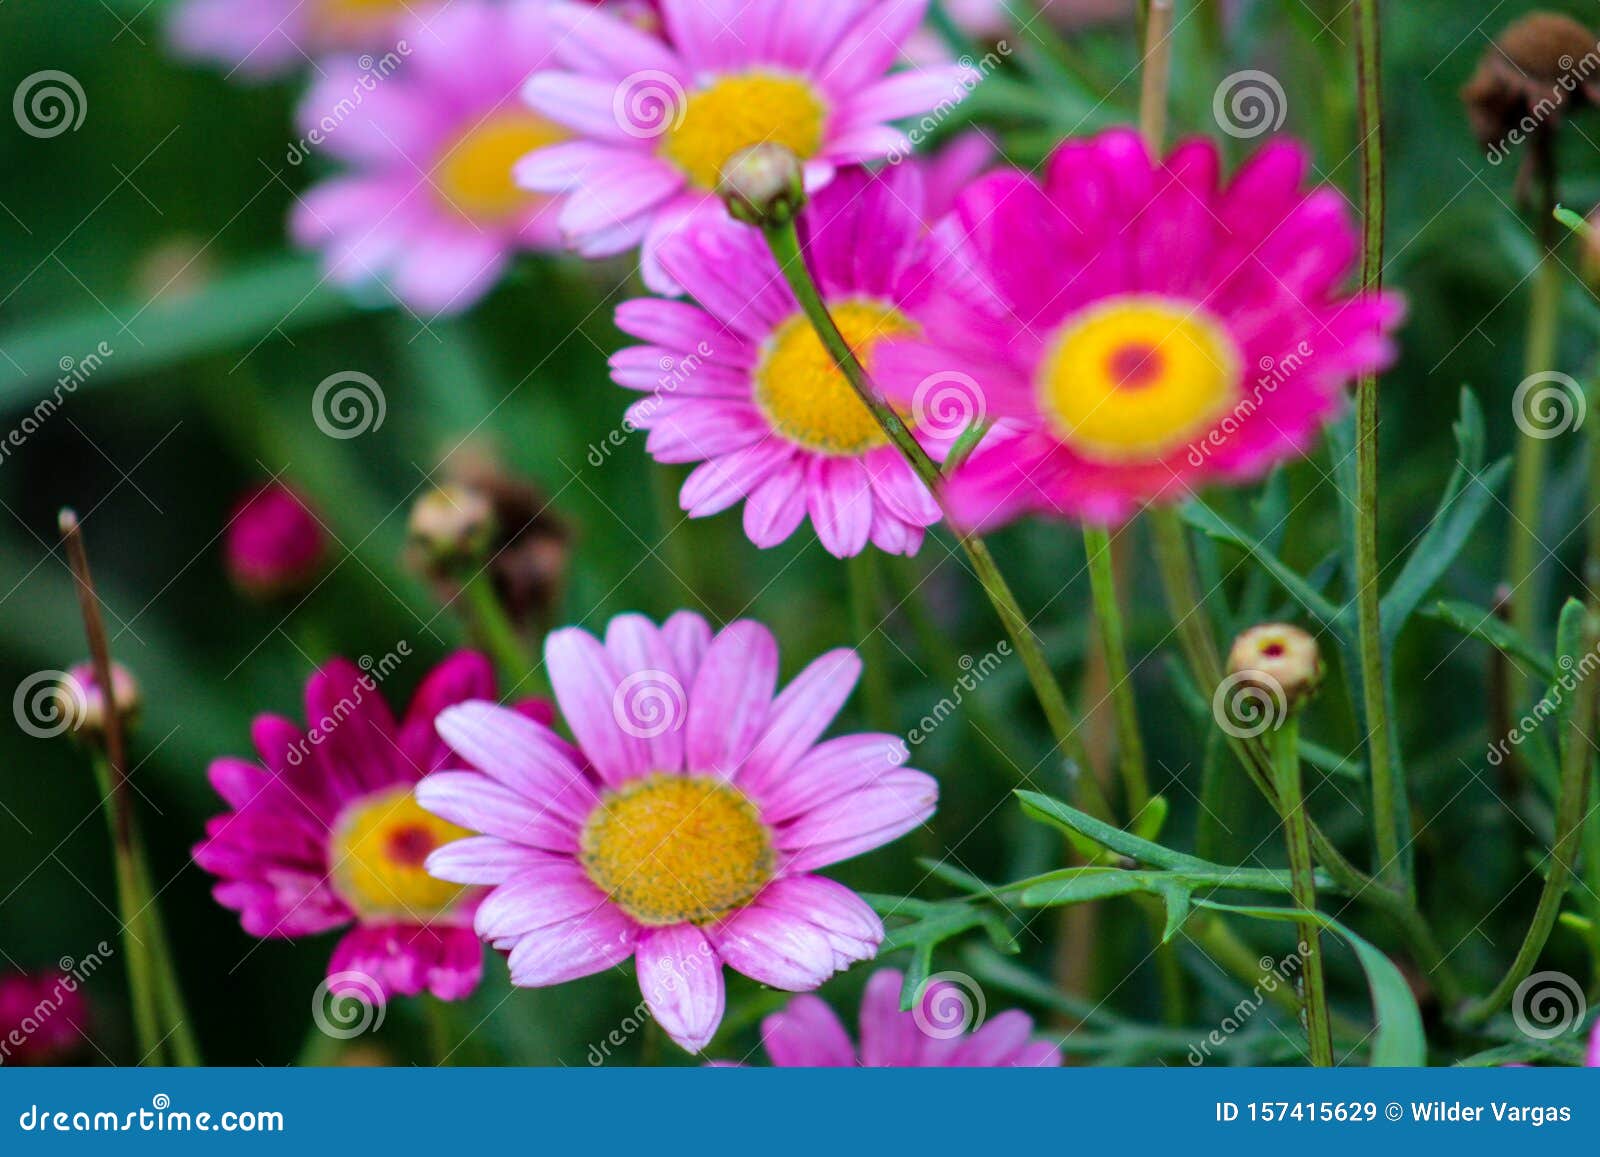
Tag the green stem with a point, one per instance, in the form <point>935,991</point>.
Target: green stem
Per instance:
<point>495,631</point>
<point>784,242</point>
<point>1285,745</point>
<point>1388,803</point>
<point>1572,803</point>
<point>135,932</point>
<point>865,622</point>
<point>169,993</point>
<point>441,1034</point>
<point>1108,620</point>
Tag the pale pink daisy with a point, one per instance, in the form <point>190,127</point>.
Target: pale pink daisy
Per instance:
<point>265,37</point>
<point>741,384</point>
<point>945,1029</point>
<point>658,120</point>
<point>685,827</point>
<point>1141,328</point>
<point>428,205</point>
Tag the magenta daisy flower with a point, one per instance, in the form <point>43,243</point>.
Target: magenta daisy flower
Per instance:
<point>43,1018</point>
<point>325,832</point>
<point>273,543</point>
<point>265,37</point>
<point>945,1030</point>
<point>685,827</point>
<point>657,121</point>
<point>742,385</point>
<point>1146,328</point>
<point>428,206</point>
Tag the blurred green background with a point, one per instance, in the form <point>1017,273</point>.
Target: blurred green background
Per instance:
<point>176,171</point>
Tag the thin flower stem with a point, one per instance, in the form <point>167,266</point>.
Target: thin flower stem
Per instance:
<point>1285,745</point>
<point>784,242</point>
<point>495,631</point>
<point>1387,803</point>
<point>1156,78</point>
<point>156,998</point>
<point>1108,620</point>
<point>864,616</point>
<point>1571,804</point>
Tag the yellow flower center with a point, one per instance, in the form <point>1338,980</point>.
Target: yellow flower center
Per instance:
<point>672,849</point>
<point>1135,377</point>
<point>474,175</point>
<point>801,391</point>
<point>379,845</point>
<point>740,111</point>
<point>341,13</point>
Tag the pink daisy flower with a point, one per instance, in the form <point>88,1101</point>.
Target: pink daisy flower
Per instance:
<point>1143,329</point>
<point>266,37</point>
<point>429,205</point>
<point>273,542</point>
<point>684,827</point>
<point>325,832</point>
<point>741,384</point>
<point>945,1030</point>
<point>657,121</point>
<point>43,1018</point>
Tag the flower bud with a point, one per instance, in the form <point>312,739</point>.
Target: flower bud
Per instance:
<point>1538,68</point>
<point>274,545</point>
<point>453,524</point>
<point>82,701</point>
<point>1279,658</point>
<point>763,185</point>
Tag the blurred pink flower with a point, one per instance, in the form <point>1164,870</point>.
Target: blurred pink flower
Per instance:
<point>273,543</point>
<point>43,1017</point>
<point>260,38</point>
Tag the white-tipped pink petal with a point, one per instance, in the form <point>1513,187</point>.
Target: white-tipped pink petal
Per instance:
<point>680,978</point>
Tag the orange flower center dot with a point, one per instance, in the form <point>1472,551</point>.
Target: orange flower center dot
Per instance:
<point>380,843</point>
<point>1136,377</point>
<point>473,175</point>
<point>737,112</point>
<point>801,390</point>
<point>675,849</point>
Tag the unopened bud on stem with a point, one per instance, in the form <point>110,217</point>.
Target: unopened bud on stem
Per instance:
<point>1281,658</point>
<point>453,525</point>
<point>763,185</point>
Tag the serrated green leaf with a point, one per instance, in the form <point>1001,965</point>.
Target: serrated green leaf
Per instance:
<point>1488,627</point>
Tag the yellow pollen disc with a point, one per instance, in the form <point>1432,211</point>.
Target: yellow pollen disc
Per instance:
<point>801,391</point>
<point>336,13</point>
<point>379,845</point>
<point>1136,377</point>
<point>740,111</point>
<point>474,175</point>
<point>672,849</point>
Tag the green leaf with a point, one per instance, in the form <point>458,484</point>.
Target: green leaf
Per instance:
<point>1398,1041</point>
<point>1467,496</point>
<point>1488,627</point>
<point>1200,516</point>
<point>1324,759</point>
